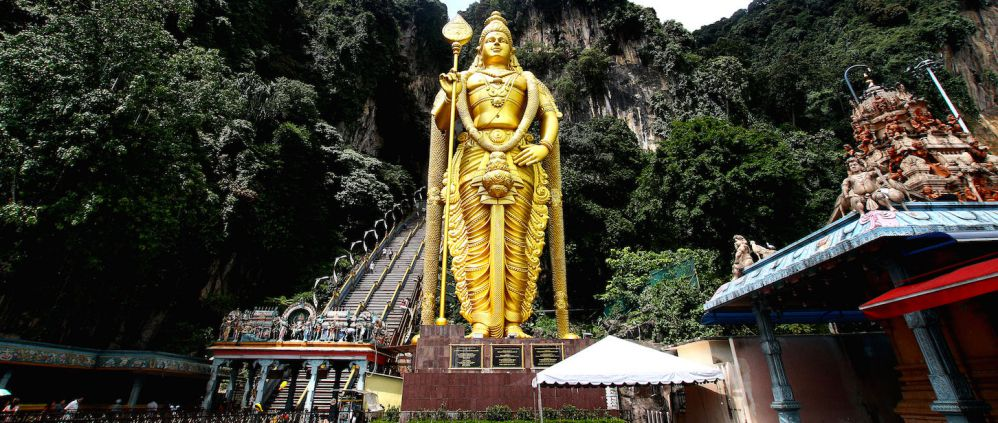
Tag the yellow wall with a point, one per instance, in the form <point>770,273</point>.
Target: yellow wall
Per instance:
<point>388,388</point>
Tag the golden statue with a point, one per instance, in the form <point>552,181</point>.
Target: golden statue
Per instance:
<point>496,189</point>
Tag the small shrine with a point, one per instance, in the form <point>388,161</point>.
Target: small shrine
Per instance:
<point>912,245</point>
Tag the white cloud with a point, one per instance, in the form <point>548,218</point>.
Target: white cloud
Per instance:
<point>692,14</point>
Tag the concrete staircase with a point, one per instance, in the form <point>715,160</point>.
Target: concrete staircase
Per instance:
<point>325,390</point>
<point>381,291</point>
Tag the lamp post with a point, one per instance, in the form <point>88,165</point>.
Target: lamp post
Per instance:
<point>927,65</point>
<point>315,286</point>
<point>845,76</point>
<point>370,231</point>
<point>354,244</point>
<point>383,223</point>
<point>336,278</point>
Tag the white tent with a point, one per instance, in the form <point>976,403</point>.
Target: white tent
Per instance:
<point>614,361</point>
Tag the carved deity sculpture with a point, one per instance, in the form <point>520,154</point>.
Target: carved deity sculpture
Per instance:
<point>501,184</point>
<point>746,253</point>
<point>866,190</point>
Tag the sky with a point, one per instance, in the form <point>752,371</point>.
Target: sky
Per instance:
<point>692,14</point>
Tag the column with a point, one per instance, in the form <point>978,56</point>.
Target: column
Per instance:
<point>262,383</point>
<point>292,385</point>
<point>361,372</point>
<point>313,366</point>
<point>5,379</point>
<point>250,377</point>
<point>954,398</point>
<point>787,409</point>
<point>209,394</point>
<point>133,397</point>
<point>234,369</point>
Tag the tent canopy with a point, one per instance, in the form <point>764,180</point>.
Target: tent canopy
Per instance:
<point>614,361</point>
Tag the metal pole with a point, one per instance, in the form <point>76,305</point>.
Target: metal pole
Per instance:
<point>845,76</point>
<point>540,403</point>
<point>927,64</point>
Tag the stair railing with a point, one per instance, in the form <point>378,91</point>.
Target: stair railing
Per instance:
<point>404,329</point>
<point>384,273</point>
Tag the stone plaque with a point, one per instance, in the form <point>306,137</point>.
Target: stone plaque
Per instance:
<point>546,355</point>
<point>466,356</point>
<point>507,356</point>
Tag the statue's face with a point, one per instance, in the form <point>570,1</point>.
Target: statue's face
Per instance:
<point>854,167</point>
<point>496,46</point>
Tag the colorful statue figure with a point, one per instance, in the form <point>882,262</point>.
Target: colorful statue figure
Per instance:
<point>866,190</point>
<point>499,189</point>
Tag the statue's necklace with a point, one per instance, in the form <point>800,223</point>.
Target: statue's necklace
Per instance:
<point>499,88</point>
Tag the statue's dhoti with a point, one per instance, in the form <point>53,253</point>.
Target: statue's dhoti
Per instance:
<point>498,214</point>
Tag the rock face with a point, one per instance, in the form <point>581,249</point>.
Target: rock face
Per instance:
<point>563,30</point>
<point>977,62</point>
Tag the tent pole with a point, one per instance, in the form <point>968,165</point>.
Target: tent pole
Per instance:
<point>540,404</point>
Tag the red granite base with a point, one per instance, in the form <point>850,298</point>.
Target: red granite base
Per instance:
<point>433,384</point>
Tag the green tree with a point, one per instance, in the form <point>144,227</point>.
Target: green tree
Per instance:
<point>601,162</point>
<point>711,180</point>
<point>642,303</point>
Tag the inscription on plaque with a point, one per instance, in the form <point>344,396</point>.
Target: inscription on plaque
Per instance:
<point>546,355</point>
<point>507,356</point>
<point>466,356</point>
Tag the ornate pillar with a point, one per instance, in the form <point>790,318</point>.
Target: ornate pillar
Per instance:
<point>5,379</point>
<point>234,368</point>
<point>313,366</point>
<point>133,396</point>
<point>954,398</point>
<point>787,409</point>
<point>361,372</point>
<point>209,393</point>
<point>262,383</point>
<point>292,385</point>
<point>250,377</point>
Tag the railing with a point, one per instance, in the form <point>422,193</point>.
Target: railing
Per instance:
<point>404,329</point>
<point>384,273</point>
<point>350,378</point>
<point>408,271</point>
<point>360,267</point>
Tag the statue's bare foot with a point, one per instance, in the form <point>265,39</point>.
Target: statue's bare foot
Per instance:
<point>517,331</point>
<point>478,330</point>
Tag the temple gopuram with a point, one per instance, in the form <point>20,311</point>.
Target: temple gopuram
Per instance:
<point>912,246</point>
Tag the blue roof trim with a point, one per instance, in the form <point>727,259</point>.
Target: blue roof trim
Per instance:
<point>819,316</point>
<point>851,232</point>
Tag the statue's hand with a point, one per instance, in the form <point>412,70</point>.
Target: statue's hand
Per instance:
<point>449,82</point>
<point>530,155</point>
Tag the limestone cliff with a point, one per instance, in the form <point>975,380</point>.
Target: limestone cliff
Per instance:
<point>551,34</point>
<point>977,62</point>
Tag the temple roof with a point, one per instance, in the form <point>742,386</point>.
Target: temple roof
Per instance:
<point>20,352</point>
<point>814,253</point>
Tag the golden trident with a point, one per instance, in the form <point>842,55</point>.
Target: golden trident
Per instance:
<point>458,32</point>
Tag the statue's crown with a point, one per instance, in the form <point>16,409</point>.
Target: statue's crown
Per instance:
<point>495,22</point>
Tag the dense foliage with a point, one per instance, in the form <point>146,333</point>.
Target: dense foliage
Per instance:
<point>165,161</point>
<point>794,53</point>
<point>164,182</point>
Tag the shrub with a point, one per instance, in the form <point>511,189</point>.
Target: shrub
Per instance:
<point>498,412</point>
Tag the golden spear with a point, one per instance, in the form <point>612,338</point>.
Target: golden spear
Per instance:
<point>458,33</point>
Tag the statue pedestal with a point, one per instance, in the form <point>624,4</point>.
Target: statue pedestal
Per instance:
<point>452,372</point>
